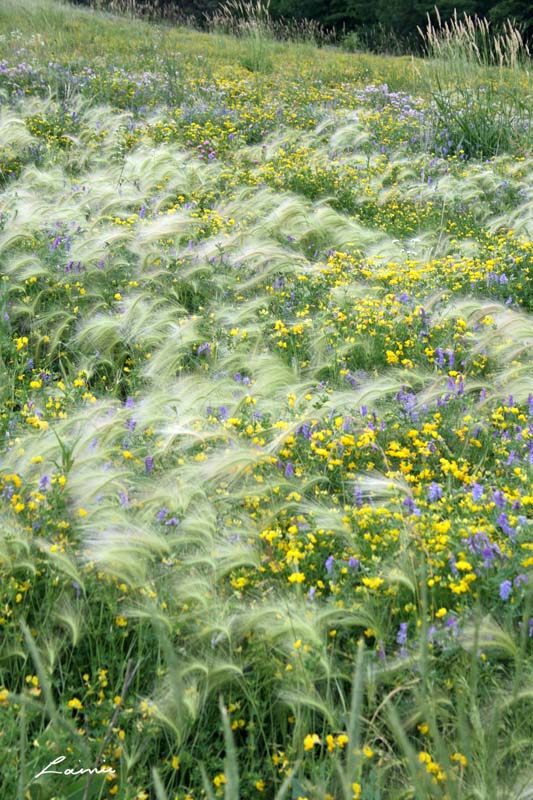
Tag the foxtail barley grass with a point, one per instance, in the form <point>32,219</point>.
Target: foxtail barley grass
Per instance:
<point>266,468</point>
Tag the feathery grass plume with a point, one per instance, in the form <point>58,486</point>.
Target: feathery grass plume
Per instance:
<point>242,16</point>
<point>58,323</point>
<point>244,314</point>
<point>92,250</point>
<point>91,483</point>
<point>262,257</point>
<point>375,391</point>
<point>304,702</point>
<point>283,620</point>
<point>188,503</point>
<point>177,716</point>
<point>230,556</point>
<point>23,266</point>
<point>269,373</point>
<point>141,318</point>
<point>175,226</point>
<point>385,249</point>
<point>187,435</point>
<point>146,612</point>
<point>62,563</point>
<point>185,397</point>
<point>303,220</point>
<point>231,464</point>
<point>251,22</point>
<point>380,489</point>
<point>13,132</point>
<point>123,549</point>
<point>69,618</point>
<point>29,214</point>
<point>15,548</point>
<point>70,439</point>
<point>471,38</point>
<point>170,358</point>
<point>339,231</point>
<point>147,167</point>
<point>82,458</point>
<point>474,310</point>
<point>352,136</point>
<point>287,214</point>
<point>487,635</point>
<point>514,381</point>
<point>355,292</point>
<point>258,201</point>
<point>511,335</point>
<point>101,201</point>
<point>519,219</point>
<point>438,387</point>
<point>475,188</point>
<point>404,575</point>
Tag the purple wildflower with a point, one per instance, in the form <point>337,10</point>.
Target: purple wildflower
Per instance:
<point>477,492</point>
<point>498,498</point>
<point>410,504</point>
<point>435,492</point>
<point>452,624</point>
<point>401,637</point>
<point>506,588</point>
<point>503,522</point>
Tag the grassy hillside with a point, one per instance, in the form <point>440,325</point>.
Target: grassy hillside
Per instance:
<point>266,392</point>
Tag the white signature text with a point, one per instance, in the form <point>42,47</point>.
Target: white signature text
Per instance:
<point>81,771</point>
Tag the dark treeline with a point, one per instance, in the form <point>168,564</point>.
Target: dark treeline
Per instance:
<point>375,24</point>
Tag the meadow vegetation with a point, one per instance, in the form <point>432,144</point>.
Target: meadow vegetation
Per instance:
<point>266,482</point>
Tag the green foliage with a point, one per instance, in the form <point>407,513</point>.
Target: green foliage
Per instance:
<point>265,378</point>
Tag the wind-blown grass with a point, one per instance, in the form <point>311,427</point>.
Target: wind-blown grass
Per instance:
<point>266,474</point>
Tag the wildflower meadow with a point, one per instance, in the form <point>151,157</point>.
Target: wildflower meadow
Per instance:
<point>266,412</point>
